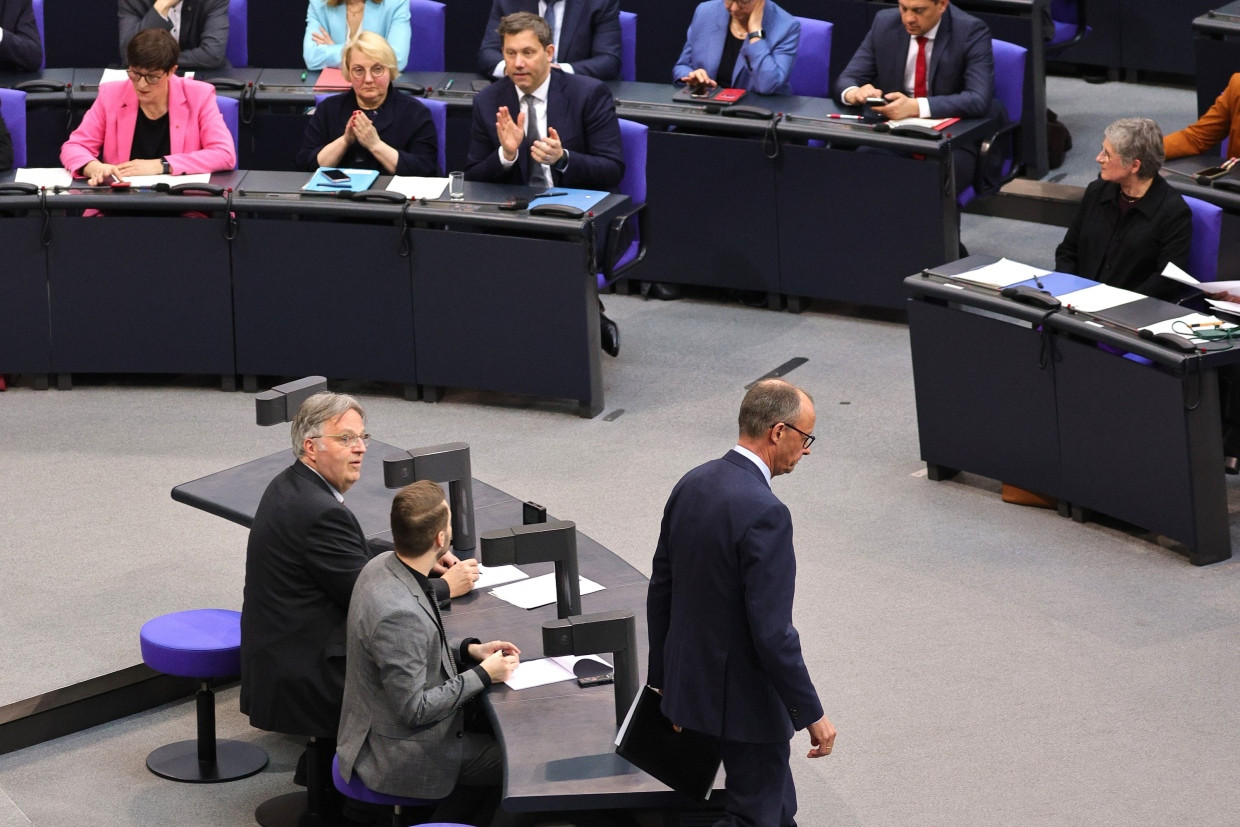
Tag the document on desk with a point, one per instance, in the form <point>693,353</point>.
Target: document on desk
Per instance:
<point>1225,306</point>
<point>415,187</point>
<point>170,180</point>
<point>1002,273</point>
<point>1212,287</point>
<point>1099,297</point>
<point>491,576</point>
<point>49,177</point>
<point>932,123</point>
<point>543,671</point>
<point>538,591</point>
<point>1183,326</point>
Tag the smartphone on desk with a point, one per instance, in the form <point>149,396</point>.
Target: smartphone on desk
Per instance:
<point>729,95</point>
<point>336,176</point>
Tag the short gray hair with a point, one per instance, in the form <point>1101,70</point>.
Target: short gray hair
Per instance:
<point>316,411</point>
<point>1138,139</point>
<point>768,402</point>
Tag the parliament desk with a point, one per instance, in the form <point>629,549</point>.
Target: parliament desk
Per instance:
<point>1216,46</point>
<point>439,294</point>
<point>557,739</point>
<point>1014,393</point>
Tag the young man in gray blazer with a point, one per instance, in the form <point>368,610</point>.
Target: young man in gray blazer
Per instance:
<point>403,725</point>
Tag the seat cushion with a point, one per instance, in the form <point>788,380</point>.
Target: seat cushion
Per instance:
<point>200,643</point>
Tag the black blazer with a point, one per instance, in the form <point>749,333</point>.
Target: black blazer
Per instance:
<point>203,37</point>
<point>719,610</point>
<point>1132,252</point>
<point>305,552</point>
<point>583,112</point>
<point>589,36</point>
<point>21,50</point>
<point>402,122</point>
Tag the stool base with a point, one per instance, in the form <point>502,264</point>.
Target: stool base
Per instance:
<point>292,810</point>
<point>233,760</point>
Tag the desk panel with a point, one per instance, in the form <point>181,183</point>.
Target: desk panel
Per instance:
<point>25,327</point>
<point>289,273</point>
<point>125,296</point>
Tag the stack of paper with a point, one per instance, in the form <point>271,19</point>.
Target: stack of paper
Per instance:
<point>531,673</point>
<point>1002,273</point>
<point>538,591</point>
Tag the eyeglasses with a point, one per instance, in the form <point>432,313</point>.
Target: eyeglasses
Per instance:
<point>347,440</point>
<point>809,438</point>
<point>740,4</point>
<point>376,72</point>
<point>150,79</point>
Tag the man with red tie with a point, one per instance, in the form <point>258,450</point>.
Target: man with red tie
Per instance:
<point>928,59</point>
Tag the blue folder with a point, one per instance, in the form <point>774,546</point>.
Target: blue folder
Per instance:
<point>584,200</point>
<point>359,179</point>
<point>1059,284</point>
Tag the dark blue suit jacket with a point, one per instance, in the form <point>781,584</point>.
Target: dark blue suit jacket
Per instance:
<point>21,50</point>
<point>402,122</point>
<point>960,77</point>
<point>589,36</point>
<point>763,67</point>
<point>722,645</point>
<point>582,111</point>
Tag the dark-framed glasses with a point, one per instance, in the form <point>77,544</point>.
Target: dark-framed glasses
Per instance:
<point>148,77</point>
<point>347,440</point>
<point>808,438</point>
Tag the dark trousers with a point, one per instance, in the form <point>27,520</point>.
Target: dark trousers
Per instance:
<point>759,785</point>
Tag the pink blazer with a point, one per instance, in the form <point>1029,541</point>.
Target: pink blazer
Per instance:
<point>200,139</point>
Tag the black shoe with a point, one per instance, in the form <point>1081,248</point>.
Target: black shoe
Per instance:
<point>663,292</point>
<point>609,335</point>
<point>1231,465</point>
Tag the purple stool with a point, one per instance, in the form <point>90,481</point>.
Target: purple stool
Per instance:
<point>358,791</point>
<point>203,644</point>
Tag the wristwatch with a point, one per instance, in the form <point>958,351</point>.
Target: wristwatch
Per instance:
<point>759,33</point>
<point>167,169</point>
<point>562,163</point>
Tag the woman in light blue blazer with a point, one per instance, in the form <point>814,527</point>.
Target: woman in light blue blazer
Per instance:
<point>329,23</point>
<point>756,37</point>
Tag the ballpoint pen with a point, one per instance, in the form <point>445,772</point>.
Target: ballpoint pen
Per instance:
<point>836,117</point>
<point>303,77</point>
<point>448,85</point>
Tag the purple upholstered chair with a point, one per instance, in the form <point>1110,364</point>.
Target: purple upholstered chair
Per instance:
<point>230,109</point>
<point>37,7</point>
<point>628,46</point>
<point>13,109</point>
<point>426,17</point>
<point>203,644</point>
<point>1010,90</point>
<point>811,73</point>
<point>439,115</point>
<point>1207,230</point>
<point>626,247</point>
<point>358,791</point>
<point>237,50</point>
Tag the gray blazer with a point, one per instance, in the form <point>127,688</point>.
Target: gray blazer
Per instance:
<point>399,729</point>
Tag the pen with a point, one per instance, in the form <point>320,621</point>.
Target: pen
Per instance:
<point>303,77</point>
<point>836,117</point>
<point>448,85</point>
<point>1206,324</point>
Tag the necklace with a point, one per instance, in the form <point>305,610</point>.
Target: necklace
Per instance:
<point>1129,199</point>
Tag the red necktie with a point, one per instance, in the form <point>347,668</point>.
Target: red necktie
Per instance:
<point>919,71</point>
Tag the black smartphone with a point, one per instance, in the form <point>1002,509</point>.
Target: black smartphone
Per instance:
<point>1212,172</point>
<point>876,101</point>
<point>336,176</point>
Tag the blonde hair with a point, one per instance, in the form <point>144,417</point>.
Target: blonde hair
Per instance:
<point>373,46</point>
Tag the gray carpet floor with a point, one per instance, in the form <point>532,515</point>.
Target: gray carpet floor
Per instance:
<point>984,663</point>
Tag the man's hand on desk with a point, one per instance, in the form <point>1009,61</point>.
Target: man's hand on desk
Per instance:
<point>460,575</point>
<point>499,657</point>
<point>899,106</point>
<point>821,737</point>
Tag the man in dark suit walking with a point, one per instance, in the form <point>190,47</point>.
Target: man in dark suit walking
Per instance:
<point>586,34</point>
<point>564,133</point>
<point>723,650</point>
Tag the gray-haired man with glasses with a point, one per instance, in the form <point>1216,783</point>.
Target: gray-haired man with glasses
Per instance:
<point>305,552</point>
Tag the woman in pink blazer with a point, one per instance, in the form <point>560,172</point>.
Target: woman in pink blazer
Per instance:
<point>154,123</point>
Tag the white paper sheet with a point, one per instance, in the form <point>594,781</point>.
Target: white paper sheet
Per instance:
<point>538,591</point>
<point>531,673</point>
<point>44,176</point>
<point>1099,297</point>
<point>1212,288</point>
<point>1226,307</point>
<point>491,576</point>
<point>170,180</point>
<point>413,186</point>
<point>1177,326</point>
<point>1002,273</point>
<point>110,75</point>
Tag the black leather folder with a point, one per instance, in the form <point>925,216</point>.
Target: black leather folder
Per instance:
<point>685,761</point>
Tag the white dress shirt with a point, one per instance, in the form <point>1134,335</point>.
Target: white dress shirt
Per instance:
<point>540,109</point>
<point>756,460</point>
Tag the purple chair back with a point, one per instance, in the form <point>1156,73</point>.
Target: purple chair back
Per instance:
<point>811,73</point>
<point>426,18</point>
<point>37,6</point>
<point>439,116</point>
<point>628,46</point>
<point>1207,230</point>
<point>1010,90</point>
<point>13,109</point>
<point>237,50</point>
<point>230,109</point>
